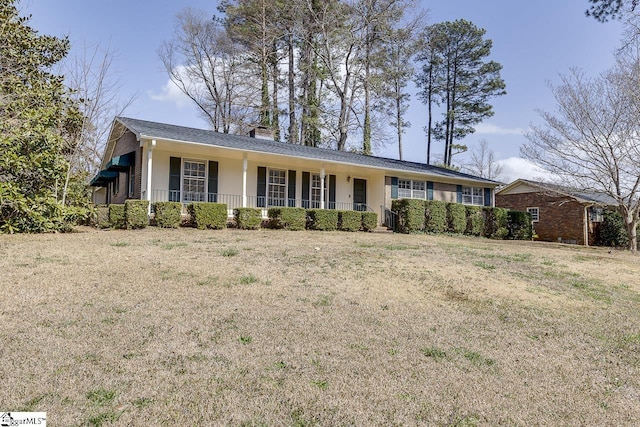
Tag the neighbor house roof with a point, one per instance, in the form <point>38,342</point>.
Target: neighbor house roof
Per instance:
<point>152,130</point>
<point>589,197</point>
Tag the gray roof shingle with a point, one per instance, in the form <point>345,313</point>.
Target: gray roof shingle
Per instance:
<point>587,196</point>
<point>146,129</point>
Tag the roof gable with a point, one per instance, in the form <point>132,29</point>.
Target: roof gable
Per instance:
<point>528,186</point>
<point>152,130</point>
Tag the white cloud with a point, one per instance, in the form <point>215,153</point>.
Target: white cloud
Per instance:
<point>490,129</point>
<point>170,93</point>
<point>516,167</point>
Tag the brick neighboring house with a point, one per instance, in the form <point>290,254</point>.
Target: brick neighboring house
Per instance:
<point>559,214</point>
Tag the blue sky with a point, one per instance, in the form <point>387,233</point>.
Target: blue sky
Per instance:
<point>535,41</point>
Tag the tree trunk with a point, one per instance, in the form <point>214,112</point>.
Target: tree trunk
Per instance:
<point>366,131</point>
<point>293,124</point>
<point>399,123</point>
<point>429,104</point>
<point>631,224</point>
<point>275,110</point>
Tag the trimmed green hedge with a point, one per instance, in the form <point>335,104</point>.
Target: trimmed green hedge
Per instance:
<point>168,214</point>
<point>322,219</point>
<point>495,223</point>
<point>349,220</point>
<point>116,216</point>
<point>369,221</point>
<point>208,215</point>
<point>287,218</point>
<point>102,216</point>
<point>519,225</point>
<point>475,221</point>
<point>456,218</point>
<point>248,218</point>
<point>435,212</point>
<point>136,214</point>
<point>410,213</point>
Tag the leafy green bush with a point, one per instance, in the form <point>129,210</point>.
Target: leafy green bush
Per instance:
<point>168,214</point>
<point>519,225</point>
<point>475,221</point>
<point>495,223</point>
<point>208,215</point>
<point>456,218</point>
<point>248,218</point>
<point>612,230</point>
<point>287,218</point>
<point>136,213</point>
<point>102,216</point>
<point>78,215</point>
<point>116,216</point>
<point>435,212</point>
<point>349,220</point>
<point>322,219</point>
<point>369,221</point>
<point>410,215</point>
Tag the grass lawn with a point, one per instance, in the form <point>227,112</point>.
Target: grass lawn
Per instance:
<point>253,328</point>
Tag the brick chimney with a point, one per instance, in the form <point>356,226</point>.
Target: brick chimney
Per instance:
<point>261,132</point>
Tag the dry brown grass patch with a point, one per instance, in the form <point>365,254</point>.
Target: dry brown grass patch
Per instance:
<point>310,328</point>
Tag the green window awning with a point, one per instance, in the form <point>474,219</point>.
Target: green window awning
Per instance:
<point>102,178</point>
<point>121,162</point>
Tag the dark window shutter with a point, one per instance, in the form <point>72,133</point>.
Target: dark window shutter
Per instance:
<point>175,163</point>
<point>459,193</point>
<point>306,182</point>
<point>261,191</point>
<point>291,190</point>
<point>332,191</point>
<point>487,197</point>
<point>212,183</point>
<point>429,190</point>
<point>394,187</point>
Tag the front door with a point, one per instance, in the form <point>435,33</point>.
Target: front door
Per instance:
<point>359,194</point>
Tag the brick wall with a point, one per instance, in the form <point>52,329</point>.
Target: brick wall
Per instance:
<point>126,144</point>
<point>560,216</point>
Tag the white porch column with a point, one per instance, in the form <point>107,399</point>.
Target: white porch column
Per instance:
<point>244,179</point>
<point>322,176</point>
<point>150,148</point>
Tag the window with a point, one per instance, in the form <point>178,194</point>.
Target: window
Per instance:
<point>316,190</point>
<point>277,187</point>
<point>194,181</point>
<point>596,214</point>
<point>535,214</point>
<point>408,189</point>
<point>132,181</point>
<point>115,185</point>
<point>472,196</point>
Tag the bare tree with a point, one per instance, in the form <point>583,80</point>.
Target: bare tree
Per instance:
<point>211,69</point>
<point>95,96</point>
<point>592,143</point>
<point>483,162</point>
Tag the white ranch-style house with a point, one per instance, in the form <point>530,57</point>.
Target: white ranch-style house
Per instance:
<point>162,162</point>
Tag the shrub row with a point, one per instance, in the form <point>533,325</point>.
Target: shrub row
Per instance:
<point>434,216</point>
<point>202,215</point>
<point>132,214</point>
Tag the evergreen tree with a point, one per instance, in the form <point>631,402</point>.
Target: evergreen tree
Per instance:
<point>455,75</point>
<point>32,115</point>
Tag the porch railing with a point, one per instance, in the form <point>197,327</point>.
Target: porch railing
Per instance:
<point>389,218</point>
<point>234,201</point>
